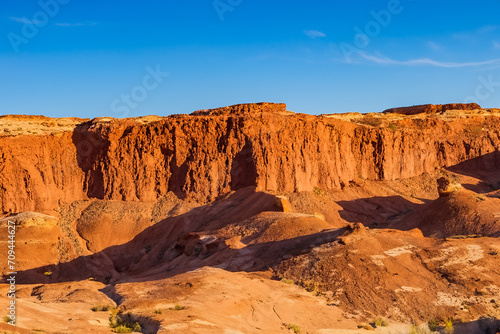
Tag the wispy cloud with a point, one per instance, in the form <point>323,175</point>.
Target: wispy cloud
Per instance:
<point>383,60</point>
<point>69,24</point>
<point>496,45</point>
<point>472,34</point>
<point>24,20</point>
<point>487,29</point>
<point>59,24</point>
<point>314,33</point>
<point>75,24</point>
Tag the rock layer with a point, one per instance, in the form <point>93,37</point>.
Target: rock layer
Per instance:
<point>433,108</point>
<point>203,156</point>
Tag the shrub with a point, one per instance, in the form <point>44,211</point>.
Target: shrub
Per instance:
<point>392,127</point>
<point>122,329</point>
<point>433,324</point>
<point>379,322</point>
<point>48,273</point>
<point>7,319</point>
<point>318,191</point>
<point>287,281</point>
<point>100,308</point>
<point>310,287</point>
<point>136,327</point>
<point>419,330</point>
<point>178,307</point>
<point>295,328</point>
<point>448,326</point>
<point>114,312</point>
<point>123,324</point>
<point>159,311</point>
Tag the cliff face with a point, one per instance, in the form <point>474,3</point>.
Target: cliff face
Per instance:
<point>203,156</point>
<point>39,171</point>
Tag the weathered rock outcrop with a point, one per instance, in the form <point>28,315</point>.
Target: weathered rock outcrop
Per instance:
<point>433,108</point>
<point>447,186</point>
<point>253,108</point>
<point>203,156</point>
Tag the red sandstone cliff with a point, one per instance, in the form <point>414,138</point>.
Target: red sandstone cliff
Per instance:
<point>205,155</point>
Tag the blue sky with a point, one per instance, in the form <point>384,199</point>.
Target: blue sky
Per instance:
<point>91,58</point>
